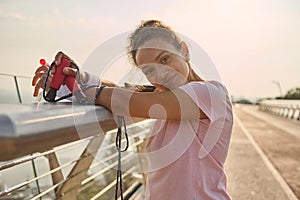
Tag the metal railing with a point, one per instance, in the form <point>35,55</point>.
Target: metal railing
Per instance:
<point>283,108</point>
<point>15,89</point>
<point>65,151</point>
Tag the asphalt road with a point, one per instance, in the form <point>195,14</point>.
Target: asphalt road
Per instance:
<point>264,156</point>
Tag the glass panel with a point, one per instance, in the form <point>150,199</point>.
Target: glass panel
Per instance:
<point>8,92</point>
<point>8,89</point>
<point>26,89</point>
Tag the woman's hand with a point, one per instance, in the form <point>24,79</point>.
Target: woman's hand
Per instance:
<point>40,74</point>
<point>39,78</point>
<point>72,70</point>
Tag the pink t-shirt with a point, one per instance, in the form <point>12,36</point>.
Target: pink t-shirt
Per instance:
<point>186,158</point>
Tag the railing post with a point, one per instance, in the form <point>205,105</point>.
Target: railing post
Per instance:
<point>35,175</point>
<point>57,176</point>
<point>69,189</point>
<point>18,90</point>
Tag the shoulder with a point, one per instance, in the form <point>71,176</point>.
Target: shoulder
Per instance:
<point>205,87</point>
<point>210,96</point>
<point>210,83</point>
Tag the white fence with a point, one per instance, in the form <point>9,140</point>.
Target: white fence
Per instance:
<point>283,108</point>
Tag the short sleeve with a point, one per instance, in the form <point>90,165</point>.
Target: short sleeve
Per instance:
<point>209,96</point>
<point>212,98</point>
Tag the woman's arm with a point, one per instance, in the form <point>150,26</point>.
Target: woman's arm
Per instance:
<point>172,104</point>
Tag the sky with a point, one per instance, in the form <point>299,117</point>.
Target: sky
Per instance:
<point>253,44</point>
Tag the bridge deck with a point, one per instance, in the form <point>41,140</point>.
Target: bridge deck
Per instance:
<point>264,156</point>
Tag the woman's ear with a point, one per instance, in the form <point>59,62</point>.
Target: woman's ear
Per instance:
<point>185,51</point>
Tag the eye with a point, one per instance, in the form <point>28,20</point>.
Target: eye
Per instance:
<point>164,59</point>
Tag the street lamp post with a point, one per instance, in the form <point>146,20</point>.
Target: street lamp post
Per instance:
<point>279,87</point>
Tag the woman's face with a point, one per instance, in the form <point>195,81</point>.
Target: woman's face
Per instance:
<point>163,65</point>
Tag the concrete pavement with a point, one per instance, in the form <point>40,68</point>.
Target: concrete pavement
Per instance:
<point>250,165</point>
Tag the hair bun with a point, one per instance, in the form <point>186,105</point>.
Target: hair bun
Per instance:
<point>152,23</point>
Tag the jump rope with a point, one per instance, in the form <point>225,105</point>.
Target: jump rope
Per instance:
<point>120,122</point>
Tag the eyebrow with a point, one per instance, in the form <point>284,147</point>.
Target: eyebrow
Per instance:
<point>157,57</point>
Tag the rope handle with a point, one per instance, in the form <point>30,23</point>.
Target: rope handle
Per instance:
<point>121,124</point>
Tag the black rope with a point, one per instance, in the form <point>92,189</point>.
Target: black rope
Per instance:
<point>121,124</point>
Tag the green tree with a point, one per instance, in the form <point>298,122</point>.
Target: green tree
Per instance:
<point>293,93</point>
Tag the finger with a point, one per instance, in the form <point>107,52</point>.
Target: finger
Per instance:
<point>39,85</point>
<point>36,91</point>
<point>41,69</point>
<point>70,71</point>
<point>37,77</point>
<point>58,58</point>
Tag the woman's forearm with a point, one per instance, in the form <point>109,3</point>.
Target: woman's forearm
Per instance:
<point>174,104</point>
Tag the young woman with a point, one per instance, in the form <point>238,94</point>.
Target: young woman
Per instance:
<point>189,142</point>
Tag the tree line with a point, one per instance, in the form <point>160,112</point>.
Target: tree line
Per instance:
<point>293,93</point>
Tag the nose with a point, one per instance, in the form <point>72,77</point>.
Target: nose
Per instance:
<point>156,73</point>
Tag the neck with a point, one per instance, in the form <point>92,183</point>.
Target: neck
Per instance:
<point>193,76</point>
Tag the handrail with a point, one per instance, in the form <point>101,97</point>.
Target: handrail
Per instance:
<point>283,108</point>
<point>27,129</point>
<point>35,132</point>
<point>14,75</point>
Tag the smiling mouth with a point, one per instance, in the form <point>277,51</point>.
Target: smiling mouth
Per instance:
<point>169,81</point>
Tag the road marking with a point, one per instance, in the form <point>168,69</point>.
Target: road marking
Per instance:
<point>285,187</point>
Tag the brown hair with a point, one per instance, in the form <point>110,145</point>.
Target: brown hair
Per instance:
<point>151,29</point>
